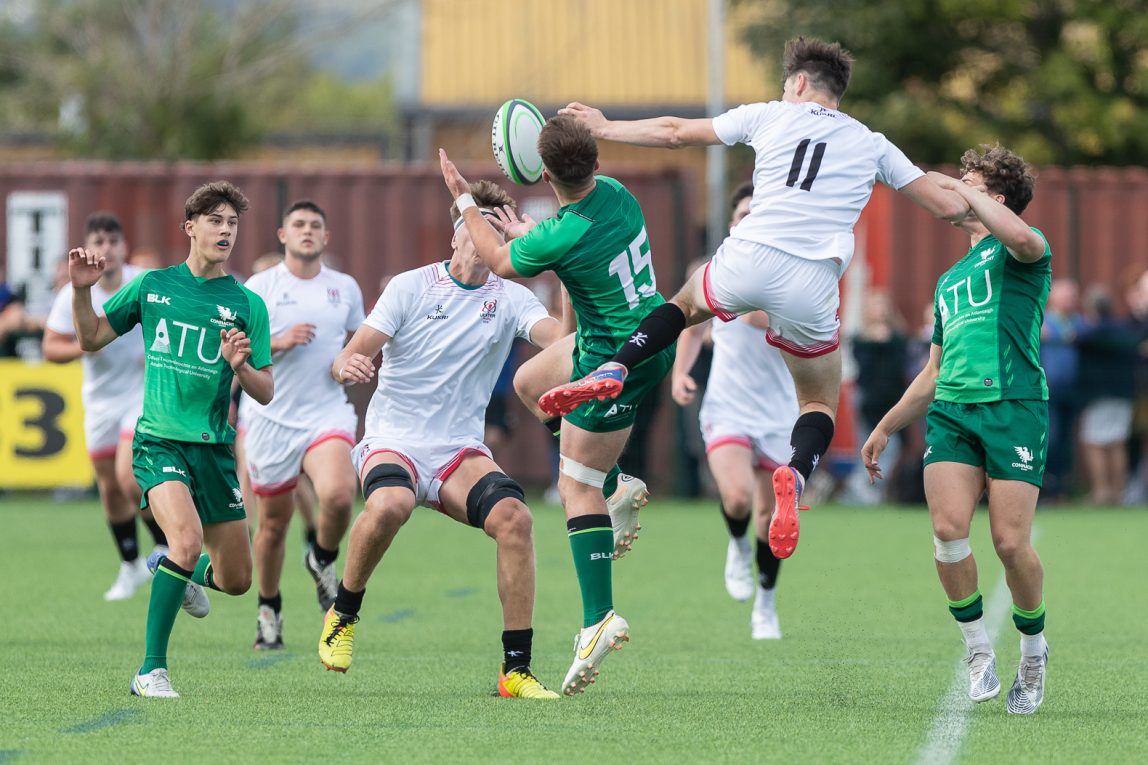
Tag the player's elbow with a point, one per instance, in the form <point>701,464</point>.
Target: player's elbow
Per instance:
<point>90,344</point>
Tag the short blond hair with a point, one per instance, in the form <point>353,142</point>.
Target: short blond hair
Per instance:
<point>486,194</point>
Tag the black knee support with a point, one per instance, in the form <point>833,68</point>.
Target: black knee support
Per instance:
<point>486,493</point>
<point>384,476</point>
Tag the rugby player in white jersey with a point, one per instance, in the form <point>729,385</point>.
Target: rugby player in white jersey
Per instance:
<point>309,427</point>
<point>445,331</point>
<point>747,412</point>
<point>814,171</point>
<point>113,397</point>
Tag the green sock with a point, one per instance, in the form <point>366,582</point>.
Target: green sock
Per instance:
<point>167,588</point>
<point>592,543</point>
<point>968,609</point>
<point>1029,622</point>
<point>611,484</point>
<point>204,574</point>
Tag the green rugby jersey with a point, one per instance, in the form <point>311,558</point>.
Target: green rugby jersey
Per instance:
<point>989,308</point>
<point>187,382</point>
<point>599,249</point>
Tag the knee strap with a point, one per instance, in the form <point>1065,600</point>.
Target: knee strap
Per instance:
<point>951,552</point>
<point>582,473</point>
<point>486,493</point>
<point>384,476</point>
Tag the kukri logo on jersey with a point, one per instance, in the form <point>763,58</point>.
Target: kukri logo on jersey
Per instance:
<point>950,299</point>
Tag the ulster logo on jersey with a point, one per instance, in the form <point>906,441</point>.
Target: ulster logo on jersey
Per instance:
<point>488,309</point>
<point>333,296</point>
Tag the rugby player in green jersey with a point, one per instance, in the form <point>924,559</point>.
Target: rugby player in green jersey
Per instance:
<point>985,402</point>
<point>598,247</point>
<point>201,328</point>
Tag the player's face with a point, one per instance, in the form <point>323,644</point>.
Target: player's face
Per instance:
<point>109,244</point>
<point>214,233</point>
<point>464,245</point>
<point>740,212</point>
<point>304,234</point>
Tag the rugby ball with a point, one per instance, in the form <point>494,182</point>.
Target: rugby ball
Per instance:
<point>514,138</point>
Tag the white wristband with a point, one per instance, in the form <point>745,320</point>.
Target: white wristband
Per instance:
<point>464,202</point>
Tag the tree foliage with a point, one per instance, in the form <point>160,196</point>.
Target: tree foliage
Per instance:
<point>1061,81</point>
<point>177,79</point>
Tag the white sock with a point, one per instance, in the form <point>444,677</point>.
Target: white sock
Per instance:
<point>743,545</point>
<point>976,636</point>
<point>1032,646</point>
<point>764,597</point>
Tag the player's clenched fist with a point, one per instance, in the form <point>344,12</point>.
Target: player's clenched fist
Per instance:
<point>235,346</point>
<point>84,267</point>
<point>357,369</point>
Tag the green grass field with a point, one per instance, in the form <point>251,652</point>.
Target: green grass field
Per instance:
<point>863,673</point>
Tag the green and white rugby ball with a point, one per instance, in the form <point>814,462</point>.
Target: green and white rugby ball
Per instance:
<point>514,138</point>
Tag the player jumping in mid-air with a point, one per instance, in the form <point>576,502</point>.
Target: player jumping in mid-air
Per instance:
<point>597,245</point>
<point>112,396</point>
<point>985,402</point>
<point>445,331</point>
<point>747,412</point>
<point>310,427</point>
<point>814,171</point>
<point>201,328</point>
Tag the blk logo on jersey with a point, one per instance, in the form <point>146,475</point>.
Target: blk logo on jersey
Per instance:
<point>161,299</point>
<point>438,314</point>
<point>488,309</point>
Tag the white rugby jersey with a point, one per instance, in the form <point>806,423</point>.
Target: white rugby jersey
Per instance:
<point>305,394</point>
<point>116,370</point>
<point>749,383</point>
<point>813,173</point>
<point>448,344</point>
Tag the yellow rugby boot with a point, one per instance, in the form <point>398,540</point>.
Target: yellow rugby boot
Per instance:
<point>522,684</point>
<point>337,640</point>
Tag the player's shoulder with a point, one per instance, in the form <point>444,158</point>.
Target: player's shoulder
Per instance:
<point>339,278</point>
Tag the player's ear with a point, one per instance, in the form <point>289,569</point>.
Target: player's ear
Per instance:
<point>597,166</point>
<point>282,233</point>
<point>545,175</point>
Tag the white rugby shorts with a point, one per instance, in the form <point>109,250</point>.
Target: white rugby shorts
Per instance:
<point>109,421</point>
<point>801,296</point>
<point>770,449</point>
<point>429,466</point>
<point>275,452</point>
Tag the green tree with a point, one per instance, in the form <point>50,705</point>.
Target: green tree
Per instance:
<point>1061,81</point>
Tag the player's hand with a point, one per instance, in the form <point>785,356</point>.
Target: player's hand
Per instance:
<point>235,347</point>
<point>510,224</point>
<point>946,182</point>
<point>356,369</point>
<point>871,453</point>
<point>84,267</point>
<point>455,183</point>
<point>683,389</point>
<point>587,115</point>
<point>300,334</point>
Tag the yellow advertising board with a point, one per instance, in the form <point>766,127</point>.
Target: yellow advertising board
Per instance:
<point>42,426</point>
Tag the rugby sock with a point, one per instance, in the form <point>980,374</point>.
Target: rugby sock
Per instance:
<point>276,602</point>
<point>204,574</point>
<point>768,565</point>
<point>323,556</point>
<point>737,526</point>
<point>810,440</point>
<point>155,531</point>
<point>516,649</point>
<point>1030,624</point>
<point>592,543</point>
<point>124,533</point>
<point>167,588</point>
<point>656,332</point>
<point>311,536</point>
<point>348,602</point>
<point>554,426</point>
<point>968,612</point>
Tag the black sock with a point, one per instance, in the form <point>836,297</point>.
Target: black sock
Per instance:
<point>553,425</point>
<point>810,440</point>
<point>125,536</point>
<point>323,556</point>
<point>768,565</point>
<point>737,526</point>
<point>310,535</point>
<point>657,332</point>
<point>348,603</point>
<point>276,602</point>
<point>155,531</point>
<point>516,648</point>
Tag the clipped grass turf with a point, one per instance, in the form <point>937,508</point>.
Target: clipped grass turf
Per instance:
<point>868,654</point>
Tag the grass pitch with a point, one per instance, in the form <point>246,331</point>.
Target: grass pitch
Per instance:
<point>862,674</point>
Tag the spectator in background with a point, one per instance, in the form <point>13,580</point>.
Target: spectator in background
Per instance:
<point>1060,358</point>
<point>11,316</point>
<point>1108,349</point>
<point>1137,298</point>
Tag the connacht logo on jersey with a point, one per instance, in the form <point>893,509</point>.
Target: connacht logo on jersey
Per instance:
<point>1025,458</point>
<point>226,313</point>
<point>986,258</point>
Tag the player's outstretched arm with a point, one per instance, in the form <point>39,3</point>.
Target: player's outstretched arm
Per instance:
<point>355,364</point>
<point>491,247</point>
<point>235,347</point>
<point>912,407</point>
<point>659,132</point>
<point>85,269</point>
<point>941,202</point>
<point>1022,242</point>
<point>546,332</point>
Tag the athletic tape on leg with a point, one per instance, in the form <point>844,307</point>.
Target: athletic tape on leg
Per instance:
<point>581,473</point>
<point>951,552</point>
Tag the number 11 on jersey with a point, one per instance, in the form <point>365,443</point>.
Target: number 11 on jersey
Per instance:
<point>629,264</point>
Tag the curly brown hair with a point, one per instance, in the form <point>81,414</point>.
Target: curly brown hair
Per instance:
<point>828,65</point>
<point>208,198</point>
<point>568,151</point>
<point>1004,172</point>
<point>486,194</point>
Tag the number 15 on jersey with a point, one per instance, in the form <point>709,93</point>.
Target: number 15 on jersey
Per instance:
<point>629,266</point>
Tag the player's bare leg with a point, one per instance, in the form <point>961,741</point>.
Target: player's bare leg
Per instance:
<point>270,545</point>
<point>329,466</point>
<point>121,517</point>
<point>545,370</point>
<point>732,467</point>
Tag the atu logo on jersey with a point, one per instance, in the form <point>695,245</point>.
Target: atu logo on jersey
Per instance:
<point>163,340</point>
<point>954,294</point>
